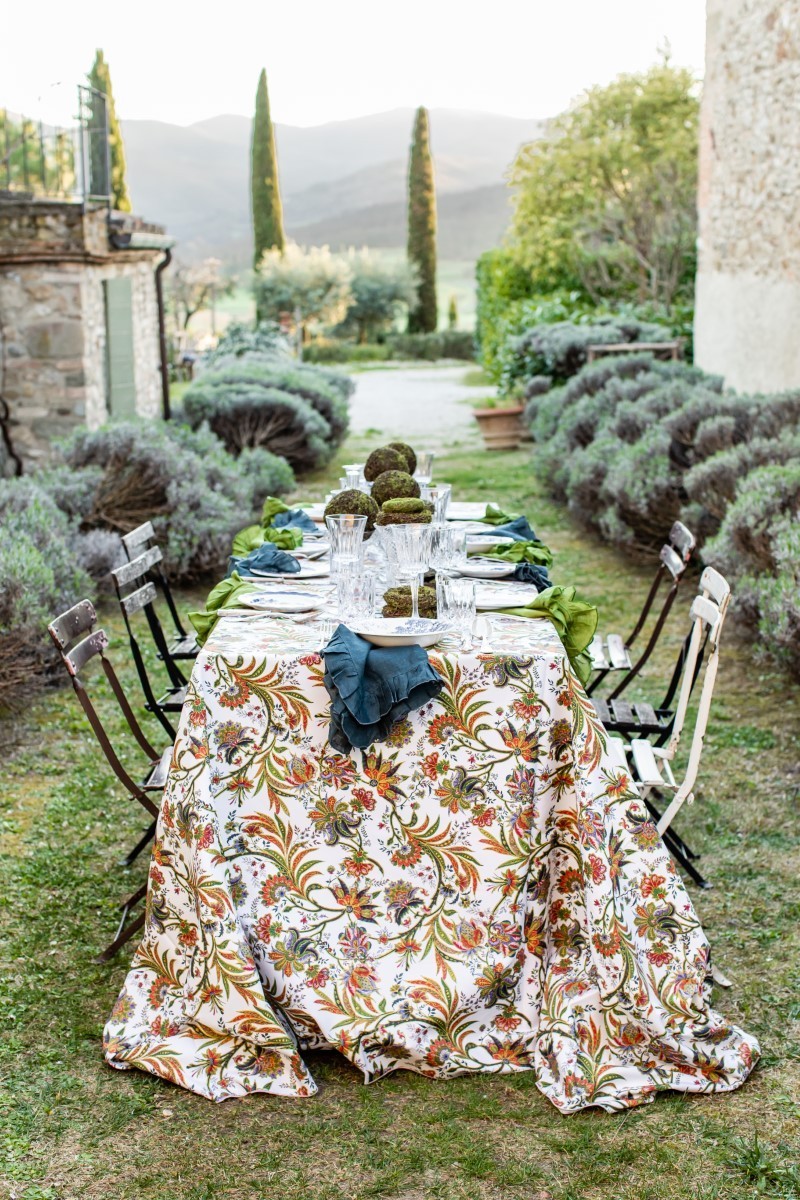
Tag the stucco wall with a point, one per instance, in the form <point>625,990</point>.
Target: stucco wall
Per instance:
<point>747,323</point>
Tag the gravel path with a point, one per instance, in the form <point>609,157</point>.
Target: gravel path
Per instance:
<point>429,402</point>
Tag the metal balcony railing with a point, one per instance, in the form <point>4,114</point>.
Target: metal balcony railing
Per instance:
<point>57,162</point>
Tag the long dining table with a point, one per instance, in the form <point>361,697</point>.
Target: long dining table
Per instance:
<point>482,892</point>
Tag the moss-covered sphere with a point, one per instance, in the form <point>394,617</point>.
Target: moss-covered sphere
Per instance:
<point>392,485</point>
<point>357,504</point>
<point>389,518</point>
<point>403,504</point>
<point>384,459</point>
<point>408,454</point>
<point>397,602</point>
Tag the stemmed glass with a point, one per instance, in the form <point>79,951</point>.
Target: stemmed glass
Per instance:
<point>424,471</point>
<point>407,549</point>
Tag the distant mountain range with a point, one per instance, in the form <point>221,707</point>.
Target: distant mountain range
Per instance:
<point>343,183</point>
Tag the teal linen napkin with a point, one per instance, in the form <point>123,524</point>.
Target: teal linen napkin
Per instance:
<point>373,687</point>
<point>575,622</point>
<point>265,557</point>
<point>227,594</point>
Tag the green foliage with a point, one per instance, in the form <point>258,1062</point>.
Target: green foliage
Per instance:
<point>501,281</point>
<point>559,350</point>
<point>100,79</point>
<point>312,284</point>
<point>758,549</point>
<point>265,192</point>
<point>423,316</point>
<point>379,293</point>
<point>329,350</point>
<point>452,314</point>
<point>239,340</point>
<point>607,203</point>
<point>39,578</point>
<point>447,343</point>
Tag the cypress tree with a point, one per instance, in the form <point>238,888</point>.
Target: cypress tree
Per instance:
<point>423,314</point>
<point>265,189</point>
<point>100,79</point>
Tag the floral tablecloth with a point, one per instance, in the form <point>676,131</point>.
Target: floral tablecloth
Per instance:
<point>482,893</point>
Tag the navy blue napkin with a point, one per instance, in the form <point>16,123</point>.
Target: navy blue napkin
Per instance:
<point>531,573</point>
<point>297,517</point>
<point>372,687</point>
<point>264,558</point>
<point>518,529</point>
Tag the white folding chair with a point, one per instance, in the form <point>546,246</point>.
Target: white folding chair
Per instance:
<point>651,764</point>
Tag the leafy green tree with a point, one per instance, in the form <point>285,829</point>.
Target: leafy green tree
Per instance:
<point>607,202</point>
<point>305,285</point>
<point>100,79</point>
<point>452,313</point>
<point>379,292</point>
<point>423,315</point>
<point>264,186</point>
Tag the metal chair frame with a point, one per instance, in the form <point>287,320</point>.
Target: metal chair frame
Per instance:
<point>78,642</point>
<point>134,597</point>
<point>652,763</point>
<point>183,645</point>
<point>673,559</point>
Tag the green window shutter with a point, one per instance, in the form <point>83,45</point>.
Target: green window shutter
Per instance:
<point>121,391</point>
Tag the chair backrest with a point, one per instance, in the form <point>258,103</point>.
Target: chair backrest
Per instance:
<point>78,642</point>
<point>707,616</point>
<point>141,540</point>
<point>137,593</point>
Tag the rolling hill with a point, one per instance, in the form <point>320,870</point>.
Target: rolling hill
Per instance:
<point>343,183</point>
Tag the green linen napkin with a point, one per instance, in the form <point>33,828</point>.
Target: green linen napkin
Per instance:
<point>532,552</point>
<point>227,594</point>
<point>496,516</point>
<point>575,622</point>
<point>272,506</point>
<point>288,538</point>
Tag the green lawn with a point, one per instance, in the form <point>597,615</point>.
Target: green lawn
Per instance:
<point>71,1127</point>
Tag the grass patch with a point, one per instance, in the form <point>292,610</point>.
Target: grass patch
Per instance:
<point>70,1127</point>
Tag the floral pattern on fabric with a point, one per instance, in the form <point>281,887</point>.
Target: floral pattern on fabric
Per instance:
<point>483,892</point>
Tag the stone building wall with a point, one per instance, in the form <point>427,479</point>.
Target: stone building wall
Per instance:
<point>54,260</point>
<point>747,322</point>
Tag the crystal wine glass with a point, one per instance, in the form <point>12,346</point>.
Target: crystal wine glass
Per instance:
<point>424,471</point>
<point>346,532</point>
<point>407,549</point>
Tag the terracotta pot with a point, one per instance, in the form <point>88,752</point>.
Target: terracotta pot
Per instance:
<point>501,427</point>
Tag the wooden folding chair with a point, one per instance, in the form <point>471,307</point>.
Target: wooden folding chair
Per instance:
<point>78,642</point>
<point>182,645</point>
<point>137,594</point>
<point>613,652</point>
<point>651,763</point>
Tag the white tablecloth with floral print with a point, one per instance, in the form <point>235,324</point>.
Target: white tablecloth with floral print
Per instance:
<point>484,892</point>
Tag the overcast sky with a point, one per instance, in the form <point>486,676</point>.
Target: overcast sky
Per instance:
<point>330,61</point>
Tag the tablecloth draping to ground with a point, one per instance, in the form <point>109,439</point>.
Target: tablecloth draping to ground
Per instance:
<point>483,892</point>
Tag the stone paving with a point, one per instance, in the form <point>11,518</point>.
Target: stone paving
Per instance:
<point>419,403</point>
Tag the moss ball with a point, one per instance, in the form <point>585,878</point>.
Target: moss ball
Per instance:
<point>356,503</point>
<point>397,602</point>
<point>393,485</point>
<point>384,459</point>
<point>403,504</point>
<point>408,454</point>
<point>395,518</point>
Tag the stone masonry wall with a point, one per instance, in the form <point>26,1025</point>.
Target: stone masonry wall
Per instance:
<point>748,282</point>
<point>54,259</point>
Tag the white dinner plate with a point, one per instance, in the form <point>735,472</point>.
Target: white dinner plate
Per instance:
<point>401,631</point>
<point>498,596</point>
<point>486,568</point>
<point>465,510</point>
<point>476,543</point>
<point>308,570</point>
<point>282,600</point>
